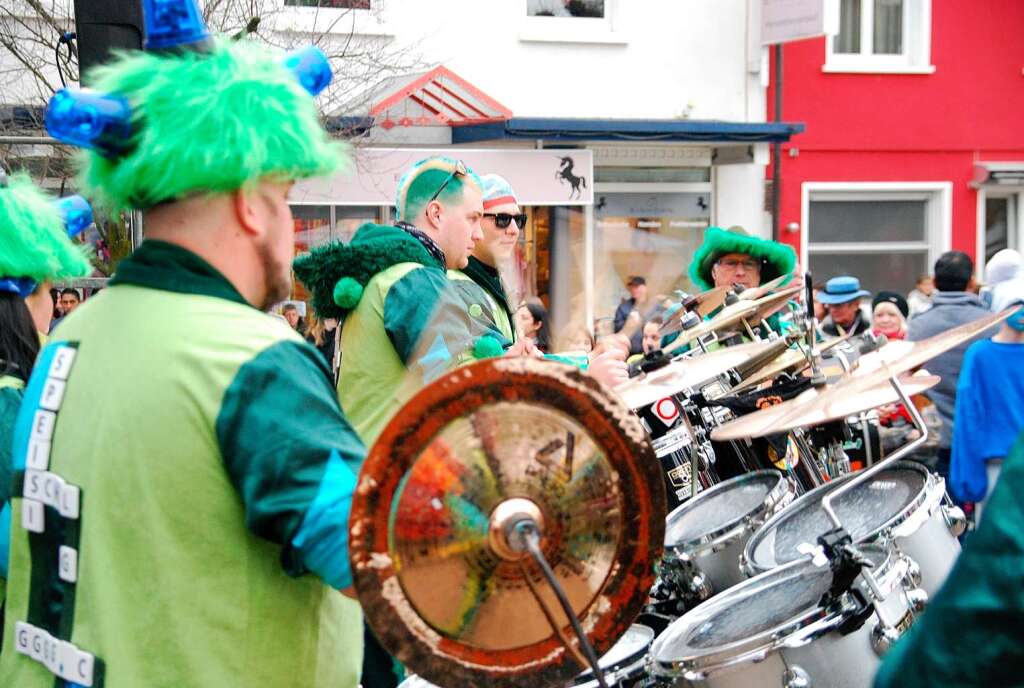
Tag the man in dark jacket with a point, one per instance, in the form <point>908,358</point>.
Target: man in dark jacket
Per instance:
<point>953,303</point>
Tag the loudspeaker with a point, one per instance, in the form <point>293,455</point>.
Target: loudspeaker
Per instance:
<point>103,26</point>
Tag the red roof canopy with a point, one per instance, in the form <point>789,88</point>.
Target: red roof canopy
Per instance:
<point>438,97</point>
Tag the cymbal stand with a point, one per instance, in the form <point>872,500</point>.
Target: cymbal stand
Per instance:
<point>864,475</point>
<point>813,358</point>
<point>524,536</point>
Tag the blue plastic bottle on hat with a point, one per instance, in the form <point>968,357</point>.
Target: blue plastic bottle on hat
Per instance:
<point>77,214</point>
<point>90,120</point>
<point>311,68</point>
<point>174,24</point>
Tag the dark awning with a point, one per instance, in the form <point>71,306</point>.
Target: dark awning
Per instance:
<point>553,129</point>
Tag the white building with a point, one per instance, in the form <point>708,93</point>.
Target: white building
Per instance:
<point>660,103</point>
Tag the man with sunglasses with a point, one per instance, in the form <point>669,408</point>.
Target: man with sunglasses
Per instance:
<point>503,219</point>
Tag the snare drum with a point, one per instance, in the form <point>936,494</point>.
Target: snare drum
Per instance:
<point>623,665</point>
<point>712,529</point>
<point>903,502</point>
<point>771,630</point>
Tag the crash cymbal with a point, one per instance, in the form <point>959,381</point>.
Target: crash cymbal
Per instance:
<point>707,302</point>
<point>793,361</point>
<point>471,454</point>
<point>731,316</point>
<point>816,406</point>
<point>685,373</point>
<point>755,293</point>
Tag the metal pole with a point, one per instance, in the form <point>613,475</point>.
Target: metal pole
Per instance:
<point>777,146</point>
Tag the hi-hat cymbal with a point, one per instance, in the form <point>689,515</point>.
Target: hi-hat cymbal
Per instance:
<point>814,407</point>
<point>707,302</point>
<point>685,373</point>
<point>492,442</point>
<point>731,316</point>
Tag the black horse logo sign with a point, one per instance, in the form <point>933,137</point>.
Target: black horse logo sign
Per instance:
<point>565,174</point>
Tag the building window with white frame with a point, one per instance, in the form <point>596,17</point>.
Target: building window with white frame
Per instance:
<point>331,4</point>
<point>881,36</point>
<point>887,238</point>
<point>565,8</point>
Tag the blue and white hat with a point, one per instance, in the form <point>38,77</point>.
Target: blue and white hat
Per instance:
<point>842,290</point>
<point>497,191</point>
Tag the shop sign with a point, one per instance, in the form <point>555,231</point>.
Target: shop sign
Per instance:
<point>783,21</point>
<point>539,177</point>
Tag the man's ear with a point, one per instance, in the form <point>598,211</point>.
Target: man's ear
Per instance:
<point>434,212</point>
<point>249,211</point>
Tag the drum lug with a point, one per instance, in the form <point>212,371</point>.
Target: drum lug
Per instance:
<point>796,677</point>
<point>883,638</point>
<point>913,575</point>
<point>956,521</point>
<point>918,599</point>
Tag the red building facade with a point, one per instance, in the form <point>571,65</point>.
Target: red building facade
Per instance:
<point>914,142</point>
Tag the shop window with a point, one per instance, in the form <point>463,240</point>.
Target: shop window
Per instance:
<point>650,235</point>
<point>881,36</point>
<point>316,225</point>
<point>885,237</point>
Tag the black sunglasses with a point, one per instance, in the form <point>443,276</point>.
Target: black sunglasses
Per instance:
<point>502,220</point>
<point>459,171</point>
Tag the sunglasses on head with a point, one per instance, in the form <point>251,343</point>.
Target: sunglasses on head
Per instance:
<point>459,171</point>
<point>503,220</point>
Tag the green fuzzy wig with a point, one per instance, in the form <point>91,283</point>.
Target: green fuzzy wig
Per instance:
<point>422,181</point>
<point>207,122</point>
<point>776,259</point>
<point>336,273</point>
<point>33,240</point>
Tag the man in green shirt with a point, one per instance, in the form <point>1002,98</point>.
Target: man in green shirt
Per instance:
<point>182,470</point>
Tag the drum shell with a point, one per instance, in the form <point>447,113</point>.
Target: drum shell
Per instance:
<point>920,531</point>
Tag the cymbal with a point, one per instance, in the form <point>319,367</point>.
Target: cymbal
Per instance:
<point>814,407</point>
<point>685,373</point>
<point>792,360</point>
<point>707,302</point>
<point>758,292</point>
<point>468,456</point>
<point>730,316</point>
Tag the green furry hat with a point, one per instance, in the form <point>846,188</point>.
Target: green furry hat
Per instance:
<point>207,122</point>
<point>33,241</point>
<point>776,259</point>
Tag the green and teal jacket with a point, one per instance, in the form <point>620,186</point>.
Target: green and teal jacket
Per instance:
<point>182,481</point>
<point>406,319</point>
<point>972,634</point>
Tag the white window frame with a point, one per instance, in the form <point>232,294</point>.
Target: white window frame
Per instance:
<point>938,213</point>
<point>335,20</point>
<point>1014,233</point>
<point>607,30</point>
<point>917,36</point>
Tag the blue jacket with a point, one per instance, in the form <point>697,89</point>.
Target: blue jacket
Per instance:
<point>949,309</point>
<point>989,414</point>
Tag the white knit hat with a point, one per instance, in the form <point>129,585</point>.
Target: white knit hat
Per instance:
<point>1007,293</point>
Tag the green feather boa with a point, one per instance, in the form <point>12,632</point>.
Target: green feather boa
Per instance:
<point>33,241</point>
<point>207,122</point>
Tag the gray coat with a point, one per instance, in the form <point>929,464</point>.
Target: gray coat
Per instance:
<point>949,309</point>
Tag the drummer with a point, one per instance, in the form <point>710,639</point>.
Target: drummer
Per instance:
<point>730,257</point>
